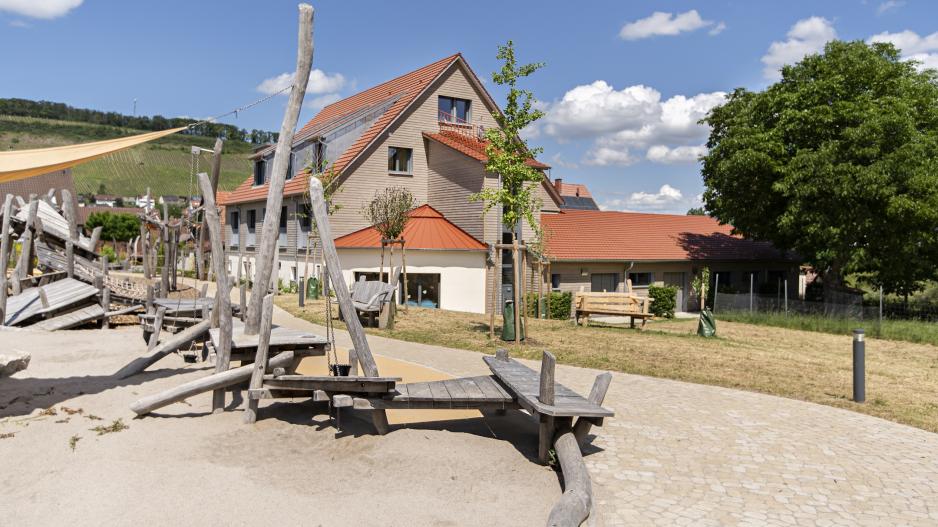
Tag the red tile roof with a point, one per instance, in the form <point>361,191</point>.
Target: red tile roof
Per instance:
<point>406,88</point>
<point>473,148</point>
<point>572,189</point>
<point>427,229</point>
<point>585,235</point>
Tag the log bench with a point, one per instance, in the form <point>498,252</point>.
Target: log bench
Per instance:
<point>613,304</point>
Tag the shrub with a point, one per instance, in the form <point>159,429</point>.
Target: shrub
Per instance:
<point>114,226</point>
<point>110,253</point>
<point>560,304</point>
<point>664,300</point>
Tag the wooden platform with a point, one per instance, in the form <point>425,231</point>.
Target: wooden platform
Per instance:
<point>482,392</point>
<point>277,386</point>
<point>525,384</point>
<point>71,319</point>
<point>64,293</point>
<point>177,306</point>
<point>280,339</point>
<point>22,307</point>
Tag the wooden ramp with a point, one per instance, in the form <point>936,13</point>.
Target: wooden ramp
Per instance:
<point>71,319</point>
<point>22,307</point>
<point>526,384</point>
<point>178,306</point>
<point>64,293</point>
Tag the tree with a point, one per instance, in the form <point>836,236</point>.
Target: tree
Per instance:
<point>508,154</point>
<point>837,161</point>
<point>696,211</point>
<point>389,212</point>
<point>119,226</point>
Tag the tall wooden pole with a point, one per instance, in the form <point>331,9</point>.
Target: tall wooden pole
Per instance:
<point>268,249</point>
<point>223,293</point>
<point>334,270</point>
<point>26,245</point>
<point>404,271</point>
<point>515,267</point>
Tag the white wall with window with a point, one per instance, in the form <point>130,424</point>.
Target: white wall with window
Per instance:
<point>454,280</point>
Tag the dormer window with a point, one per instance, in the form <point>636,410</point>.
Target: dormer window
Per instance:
<point>453,110</point>
<point>400,161</point>
<point>260,171</point>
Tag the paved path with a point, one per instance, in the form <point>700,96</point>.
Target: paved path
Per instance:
<point>687,454</point>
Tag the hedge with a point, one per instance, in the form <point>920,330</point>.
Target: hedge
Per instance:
<point>560,304</point>
<point>664,300</point>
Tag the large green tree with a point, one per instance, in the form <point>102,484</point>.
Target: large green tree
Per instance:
<point>838,161</point>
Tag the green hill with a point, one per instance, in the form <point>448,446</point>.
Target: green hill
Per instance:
<point>164,165</point>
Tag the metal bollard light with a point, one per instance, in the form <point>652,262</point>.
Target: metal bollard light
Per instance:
<point>302,292</point>
<point>859,366</point>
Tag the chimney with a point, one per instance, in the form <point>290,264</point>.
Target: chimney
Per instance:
<point>558,184</point>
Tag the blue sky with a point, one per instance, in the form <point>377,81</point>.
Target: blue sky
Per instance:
<point>623,86</point>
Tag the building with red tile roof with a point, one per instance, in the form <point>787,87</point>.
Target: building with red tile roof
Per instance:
<point>427,230</point>
<point>604,250</point>
<point>575,196</point>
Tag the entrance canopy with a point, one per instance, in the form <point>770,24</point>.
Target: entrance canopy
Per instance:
<point>21,164</point>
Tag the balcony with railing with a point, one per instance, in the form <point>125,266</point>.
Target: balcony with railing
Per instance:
<point>451,124</point>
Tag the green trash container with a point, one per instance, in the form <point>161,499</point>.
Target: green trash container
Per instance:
<point>508,328</point>
<point>312,288</point>
<point>706,326</point>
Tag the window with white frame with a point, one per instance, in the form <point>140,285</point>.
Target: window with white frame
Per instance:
<point>454,110</point>
<point>235,225</point>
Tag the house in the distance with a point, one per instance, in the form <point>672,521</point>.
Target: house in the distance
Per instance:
<point>600,250</point>
<point>422,131</point>
<point>575,196</point>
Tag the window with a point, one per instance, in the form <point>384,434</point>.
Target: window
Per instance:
<point>282,238</point>
<point>235,224</point>
<point>555,281</point>
<point>604,282</point>
<point>641,279</point>
<point>423,290</point>
<point>260,171</point>
<point>400,160</point>
<point>252,219</point>
<point>453,110</point>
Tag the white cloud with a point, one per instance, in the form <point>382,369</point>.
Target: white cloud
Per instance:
<point>889,5</point>
<point>558,161</point>
<point>914,47</point>
<point>18,23</point>
<point>667,199</point>
<point>607,156</point>
<point>46,9</point>
<point>320,102</point>
<point>631,118</point>
<point>717,29</point>
<point>680,154</point>
<point>660,23</point>
<point>319,82</point>
<point>807,36</point>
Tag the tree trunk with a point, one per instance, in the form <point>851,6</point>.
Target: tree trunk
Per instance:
<point>266,253</point>
<point>516,278</point>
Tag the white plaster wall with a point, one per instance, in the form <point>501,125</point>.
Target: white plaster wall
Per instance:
<point>462,273</point>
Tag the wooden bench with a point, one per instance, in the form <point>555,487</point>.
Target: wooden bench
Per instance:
<point>613,304</point>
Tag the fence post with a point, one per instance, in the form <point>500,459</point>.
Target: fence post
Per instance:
<point>859,366</point>
<point>786,297</point>
<point>750,292</point>
<point>879,327</point>
<point>716,291</point>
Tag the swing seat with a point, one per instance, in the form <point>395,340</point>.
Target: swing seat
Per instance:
<point>369,296</point>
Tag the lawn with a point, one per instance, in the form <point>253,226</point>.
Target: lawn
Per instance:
<point>907,330</point>
<point>902,377</point>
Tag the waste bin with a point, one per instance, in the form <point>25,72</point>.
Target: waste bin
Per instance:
<point>312,288</point>
<point>706,326</point>
<point>508,328</point>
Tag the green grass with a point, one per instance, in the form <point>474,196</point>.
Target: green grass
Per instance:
<point>164,165</point>
<point>902,330</point>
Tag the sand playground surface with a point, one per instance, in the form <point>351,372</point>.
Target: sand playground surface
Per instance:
<point>72,451</point>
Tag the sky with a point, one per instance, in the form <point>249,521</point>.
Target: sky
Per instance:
<point>623,86</point>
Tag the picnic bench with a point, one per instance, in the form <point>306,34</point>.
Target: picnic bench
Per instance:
<point>614,304</point>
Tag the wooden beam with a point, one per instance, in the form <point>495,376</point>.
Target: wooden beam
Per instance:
<point>261,358</point>
<point>157,328</point>
<point>216,381</point>
<point>106,306</point>
<point>68,208</point>
<point>26,245</point>
<point>5,247</point>
<point>223,292</point>
<point>95,236</point>
<point>174,343</point>
<point>546,396</point>
<point>267,251</point>
<point>597,395</point>
<point>577,499</point>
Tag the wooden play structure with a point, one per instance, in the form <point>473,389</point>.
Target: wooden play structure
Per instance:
<point>612,304</point>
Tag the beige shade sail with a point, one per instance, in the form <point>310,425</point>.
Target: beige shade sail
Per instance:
<point>21,164</point>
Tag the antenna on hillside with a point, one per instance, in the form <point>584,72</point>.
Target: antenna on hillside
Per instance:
<point>135,106</point>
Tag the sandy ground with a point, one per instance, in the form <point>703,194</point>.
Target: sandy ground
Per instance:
<point>187,466</point>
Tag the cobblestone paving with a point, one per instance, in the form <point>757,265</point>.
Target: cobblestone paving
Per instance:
<point>687,454</point>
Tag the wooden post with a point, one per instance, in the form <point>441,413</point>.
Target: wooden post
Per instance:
<point>68,208</point>
<point>268,248</point>
<point>550,289</point>
<point>26,246</point>
<point>223,292</point>
<point>515,267</point>
<point>546,396</point>
<point>404,271</point>
<point>261,358</point>
<point>597,395</point>
<point>149,304</point>
<point>106,305</point>
<point>145,249</point>
<point>5,246</point>
<point>164,271</point>
<point>157,328</point>
<point>359,342</point>
<point>95,236</point>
